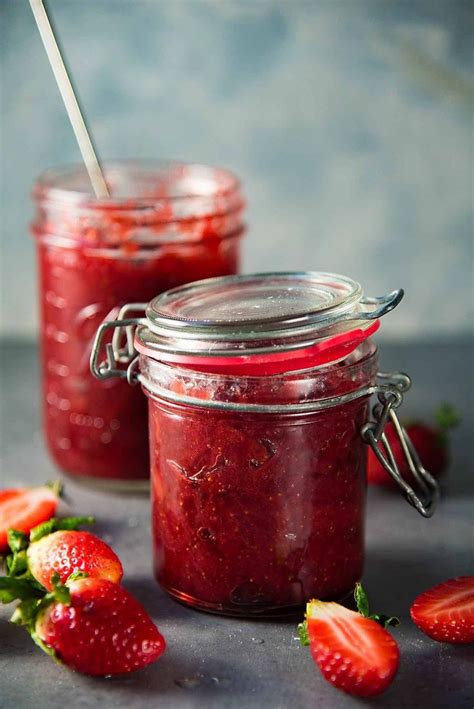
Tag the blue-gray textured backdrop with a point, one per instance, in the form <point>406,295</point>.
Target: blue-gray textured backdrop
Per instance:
<point>349,122</point>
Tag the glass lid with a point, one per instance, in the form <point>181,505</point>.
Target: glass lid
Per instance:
<point>264,317</point>
<point>254,299</point>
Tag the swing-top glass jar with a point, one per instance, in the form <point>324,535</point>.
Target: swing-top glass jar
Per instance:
<point>258,389</point>
<point>165,224</point>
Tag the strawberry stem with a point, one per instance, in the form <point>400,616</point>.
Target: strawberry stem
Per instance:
<point>76,575</point>
<point>447,417</point>
<point>303,633</point>
<point>59,593</point>
<point>57,487</point>
<point>362,603</point>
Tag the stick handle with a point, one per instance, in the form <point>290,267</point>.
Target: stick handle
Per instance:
<point>76,116</point>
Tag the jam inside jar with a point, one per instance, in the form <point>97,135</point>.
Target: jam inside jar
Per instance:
<point>258,512</point>
<point>258,390</point>
<point>165,224</point>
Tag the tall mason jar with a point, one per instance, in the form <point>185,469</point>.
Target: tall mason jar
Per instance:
<point>166,224</point>
<point>259,393</point>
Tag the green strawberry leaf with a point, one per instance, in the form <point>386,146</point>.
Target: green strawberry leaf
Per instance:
<point>447,417</point>
<point>25,613</point>
<point>17,563</point>
<point>362,602</point>
<point>55,524</point>
<point>17,541</point>
<point>12,589</point>
<point>361,599</point>
<point>303,633</point>
<point>385,620</point>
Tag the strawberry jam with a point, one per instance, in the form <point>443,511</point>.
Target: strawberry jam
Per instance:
<point>165,225</point>
<point>254,513</point>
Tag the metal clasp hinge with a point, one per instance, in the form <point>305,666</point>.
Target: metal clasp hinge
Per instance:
<point>374,434</point>
<point>120,350</point>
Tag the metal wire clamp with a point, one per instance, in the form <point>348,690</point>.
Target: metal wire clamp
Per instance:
<point>374,434</point>
<point>121,349</point>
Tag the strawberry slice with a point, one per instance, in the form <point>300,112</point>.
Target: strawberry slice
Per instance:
<point>24,508</point>
<point>446,611</point>
<point>354,653</point>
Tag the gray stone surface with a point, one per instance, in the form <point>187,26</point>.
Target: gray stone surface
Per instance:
<point>218,662</point>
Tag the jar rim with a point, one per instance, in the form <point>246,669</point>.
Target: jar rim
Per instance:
<point>52,183</point>
<point>350,361</point>
<point>282,393</point>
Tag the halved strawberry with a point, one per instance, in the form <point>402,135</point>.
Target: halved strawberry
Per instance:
<point>25,507</point>
<point>66,551</point>
<point>446,611</point>
<point>353,652</point>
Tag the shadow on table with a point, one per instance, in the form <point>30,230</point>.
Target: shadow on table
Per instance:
<point>160,605</point>
<point>175,680</point>
<point>394,578</point>
<point>425,681</point>
<point>15,641</point>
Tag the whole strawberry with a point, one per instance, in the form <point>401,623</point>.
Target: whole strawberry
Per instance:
<point>431,443</point>
<point>91,625</point>
<point>66,551</point>
<point>57,547</point>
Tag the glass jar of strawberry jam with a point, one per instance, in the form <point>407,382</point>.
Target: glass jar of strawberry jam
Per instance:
<point>259,413</point>
<point>166,224</point>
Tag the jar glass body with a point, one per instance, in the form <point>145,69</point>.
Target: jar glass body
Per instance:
<point>174,224</point>
<point>255,512</point>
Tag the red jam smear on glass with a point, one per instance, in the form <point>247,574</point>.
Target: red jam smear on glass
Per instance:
<point>90,262</point>
<point>255,513</point>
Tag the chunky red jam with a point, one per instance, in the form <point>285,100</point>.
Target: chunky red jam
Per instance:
<point>91,260</point>
<point>255,513</point>
<point>93,428</point>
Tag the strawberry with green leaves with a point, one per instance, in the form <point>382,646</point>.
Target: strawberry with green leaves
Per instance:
<point>57,547</point>
<point>25,507</point>
<point>353,650</point>
<point>64,551</point>
<point>91,625</point>
<point>446,612</point>
<point>430,442</point>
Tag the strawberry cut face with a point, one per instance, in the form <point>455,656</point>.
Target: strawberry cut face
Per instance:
<point>446,612</point>
<point>354,653</point>
<point>24,508</point>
